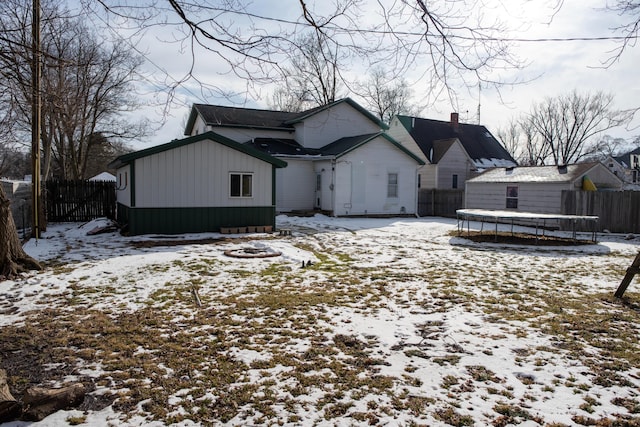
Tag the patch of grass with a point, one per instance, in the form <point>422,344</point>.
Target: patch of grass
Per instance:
<point>451,417</point>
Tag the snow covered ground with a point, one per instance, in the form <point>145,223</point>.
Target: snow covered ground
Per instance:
<point>357,322</point>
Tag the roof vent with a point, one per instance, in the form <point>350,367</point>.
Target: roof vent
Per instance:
<point>562,169</point>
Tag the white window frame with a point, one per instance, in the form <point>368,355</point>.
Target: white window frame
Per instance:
<point>392,187</point>
<point>243,194</point>
<point>512,197</point>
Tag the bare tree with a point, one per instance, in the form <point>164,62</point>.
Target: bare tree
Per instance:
<point>524,144</point>
<point>630,30</point>
<point>13,259</point>
<point>386,96</point>
<point>568,124</point>
<point>447,44</point>
<point>86,85</point>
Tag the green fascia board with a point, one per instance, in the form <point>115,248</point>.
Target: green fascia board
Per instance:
<point>130,157</point>
<point>349,101</point>
<point>406,121</point>
<point>388,138</point>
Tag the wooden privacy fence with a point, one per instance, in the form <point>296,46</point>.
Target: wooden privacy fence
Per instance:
<point>619,211</point>
<point>80,201</point>
<point>440,202</point>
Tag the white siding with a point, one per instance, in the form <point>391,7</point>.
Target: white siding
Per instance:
<point>454,162</point>
<point>329,125</point>
<point>295,186</point>
<point>123,185</point>
<point>428,174</point>
<point>532,197</point>
<point>197,175</point>
<point>361,179</point>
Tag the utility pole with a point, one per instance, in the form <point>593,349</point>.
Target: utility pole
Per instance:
<point>36,70</point>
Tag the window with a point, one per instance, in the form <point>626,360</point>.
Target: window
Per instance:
<point>392,185</point>
<point>241,184</point>
<point>318,181</point>
<point>512,197</point>
<point>454,181</point>
<point>419,180</point>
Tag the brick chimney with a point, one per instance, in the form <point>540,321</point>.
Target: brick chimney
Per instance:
<point>454,122</point>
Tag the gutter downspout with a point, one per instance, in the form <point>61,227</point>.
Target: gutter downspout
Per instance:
<point>417,192</point>
<point>332,187</point>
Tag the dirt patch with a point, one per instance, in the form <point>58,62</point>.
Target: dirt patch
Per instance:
<point>521,239</point>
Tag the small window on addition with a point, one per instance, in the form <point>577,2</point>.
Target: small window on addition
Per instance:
<point>454,181</point>
<point>512,197</point>
<point>241,184</point>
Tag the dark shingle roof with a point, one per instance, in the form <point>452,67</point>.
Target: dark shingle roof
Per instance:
<point>216,115</point>
<point>282,147</point>
<point>476,139</point>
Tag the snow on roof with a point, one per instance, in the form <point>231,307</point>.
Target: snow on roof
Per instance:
<point>567,173</point>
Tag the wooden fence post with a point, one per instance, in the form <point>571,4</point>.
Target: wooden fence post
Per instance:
<point>631,271</point>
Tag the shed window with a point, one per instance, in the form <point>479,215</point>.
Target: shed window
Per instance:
<point>241,185</point>
<point>392,185</point>
<point>454,181</point>
<point>512,197</point>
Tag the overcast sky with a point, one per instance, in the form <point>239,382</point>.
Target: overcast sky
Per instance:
<point>554,67</point>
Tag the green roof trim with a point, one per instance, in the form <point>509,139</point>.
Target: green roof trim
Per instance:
<point>406,121</point>
<point>211,136</point>
<point>349,101</point>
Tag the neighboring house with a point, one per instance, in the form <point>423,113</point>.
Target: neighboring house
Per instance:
<point>196,184</point>
<point>19,195</point>
<point>339,159</point>
<point>535,189</point>
<point>453,152</point>
<point>627,167</point>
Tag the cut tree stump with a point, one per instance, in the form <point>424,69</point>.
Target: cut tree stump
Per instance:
<point>40,402</point>
<point>10,409</point>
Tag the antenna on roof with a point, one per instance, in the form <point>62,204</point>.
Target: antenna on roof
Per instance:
<point>479,94</point>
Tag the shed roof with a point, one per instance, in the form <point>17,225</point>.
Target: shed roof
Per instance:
<point>539,174</point>
<point>212,136</point>
<point>478,142</point>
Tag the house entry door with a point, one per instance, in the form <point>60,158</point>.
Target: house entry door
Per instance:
<point>318,198</point>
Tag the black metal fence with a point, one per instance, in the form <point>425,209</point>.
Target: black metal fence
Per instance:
<point>80,201</point>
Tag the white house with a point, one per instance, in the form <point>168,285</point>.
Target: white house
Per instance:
<point>338,157</point>
<point>453,152</point>
<point>627,167</point>
<point>535,189</point>
<point>201,183</point>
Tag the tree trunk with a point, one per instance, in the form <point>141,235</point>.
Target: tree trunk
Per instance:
<point>41,402</point>
<point>13,259</point>
<point>9,408</point>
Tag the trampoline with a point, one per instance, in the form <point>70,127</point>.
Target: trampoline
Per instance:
<point>537,220</point>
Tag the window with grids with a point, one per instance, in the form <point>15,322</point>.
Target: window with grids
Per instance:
<point>392,185</point>
<point>512,197</point>
<point>241,184</point>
